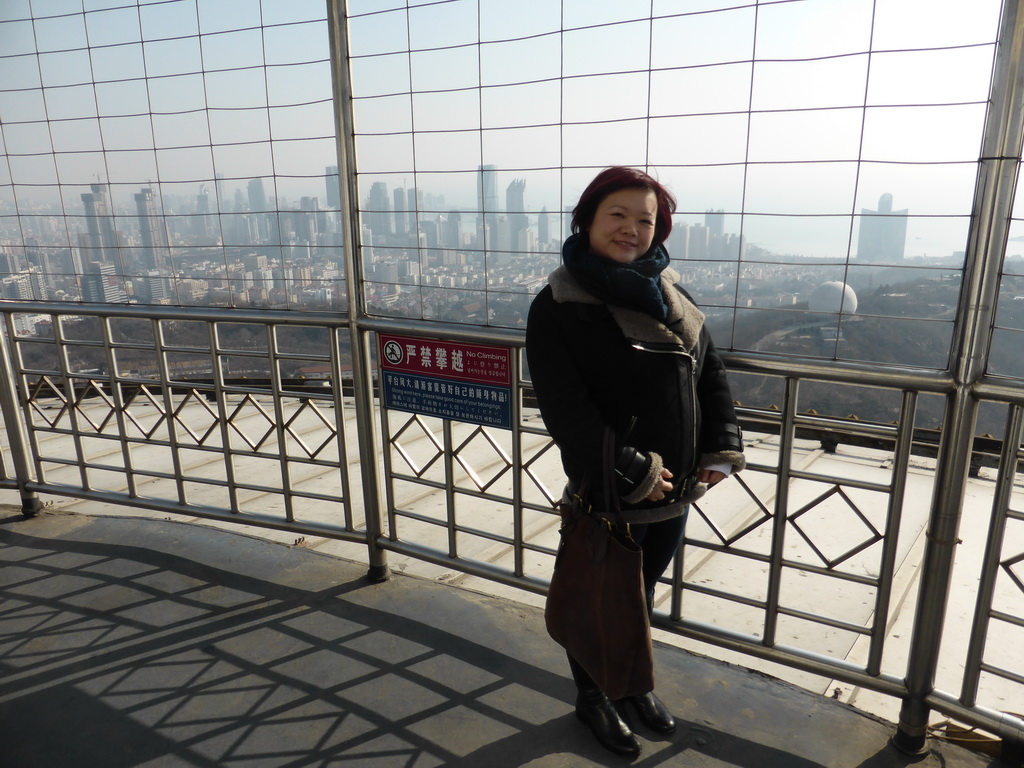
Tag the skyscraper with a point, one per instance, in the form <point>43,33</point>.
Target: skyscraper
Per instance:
<point>333,183</point>
<point>453,230</point>
<point>311,222</point>
<point>378,210</point>
<point>267,225</point>
<point>698,242</point>
<point>399,209</point>
<point>221,202</point>
<point>715,222</point>
<point>99,222</point>
<point>518,221</point>
<point>151,230</point>
<point>544,229</point>
<point>414,204</point>
<point>487,199</point>
<point>257,196</point>
<point>202,227</point>
<point>679,241</point>
<point>882,234</point>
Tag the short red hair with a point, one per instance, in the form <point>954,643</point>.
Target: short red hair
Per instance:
<point>622,177</point>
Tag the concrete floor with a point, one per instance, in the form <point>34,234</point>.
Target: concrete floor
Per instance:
<point>127,641</point>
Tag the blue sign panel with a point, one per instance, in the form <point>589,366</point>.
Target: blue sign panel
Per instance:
<point>476,403</point>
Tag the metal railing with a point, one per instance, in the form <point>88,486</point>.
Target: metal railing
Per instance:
<point>185,412</point>
<point>208,413</point>
<point>199,414</point>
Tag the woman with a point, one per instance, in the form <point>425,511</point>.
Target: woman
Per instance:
<point>613,342</point>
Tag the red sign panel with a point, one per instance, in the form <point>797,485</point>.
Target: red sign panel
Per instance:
<point>474,363</point>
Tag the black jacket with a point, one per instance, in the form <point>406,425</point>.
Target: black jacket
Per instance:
<point>661,388</point>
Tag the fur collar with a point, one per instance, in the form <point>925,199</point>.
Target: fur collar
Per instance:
<point>684,319</point>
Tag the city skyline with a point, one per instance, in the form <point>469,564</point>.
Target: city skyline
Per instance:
<point>184,152</point>
<point>250,221</point>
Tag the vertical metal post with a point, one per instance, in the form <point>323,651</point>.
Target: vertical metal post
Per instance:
<point>990,568</point>
<point>993,202</point>
<point>943,527</point>
<point>787,436</point>
<point>449,488</point>
<point>518,567</point>
<point>223,415</point>
<point>15,428</point>
<point>73,400</point>
<point>117,396</point>
<point>279,419</point>
<point>894,515</point>
<point>362,363</point>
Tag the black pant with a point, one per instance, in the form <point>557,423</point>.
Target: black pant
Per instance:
<point>659,542</point>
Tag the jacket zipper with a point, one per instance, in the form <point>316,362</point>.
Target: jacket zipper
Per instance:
<point>671,349</point>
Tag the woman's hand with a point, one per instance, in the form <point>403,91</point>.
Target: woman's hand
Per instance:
<point>662,488</point>
<point>711,477</point>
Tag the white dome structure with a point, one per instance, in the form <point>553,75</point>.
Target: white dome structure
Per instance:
<point>833,297</point>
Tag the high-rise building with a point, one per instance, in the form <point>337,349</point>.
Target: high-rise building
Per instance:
<point>500,235</point>
<point>9,261</point>
<point>882,234</point>
<point>453,230</point>
<point>151,229</point>
<point>315,219</point>
<point>414,202</point>
<point>378,210</point>
<point>487,200</point>
<point>333,184</point>
<point>101,284</point>
<point>544,229</point>
<point>399,209</point>
<point>678,241</point>
<point>715,222</point>
<point>153,287</point>
<point>25,286</point>
<point>518,221</point>
<point>99,222</point>
<point>221,202</point>
<point>202,226</point>
<point>254,262</point>
<point>698,243</point>
<point>257,196</point>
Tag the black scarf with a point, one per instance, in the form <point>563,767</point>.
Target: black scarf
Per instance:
<point>636,285</point>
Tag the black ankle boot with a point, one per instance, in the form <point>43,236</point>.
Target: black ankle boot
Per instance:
<point>654,714</point>
<point>597,711</point>
<point>610,730</point>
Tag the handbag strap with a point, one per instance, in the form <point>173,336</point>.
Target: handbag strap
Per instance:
<point>610,509</point>
<point>612,506</point>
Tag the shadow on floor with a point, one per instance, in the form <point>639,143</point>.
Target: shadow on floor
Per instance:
<point>138,642</point>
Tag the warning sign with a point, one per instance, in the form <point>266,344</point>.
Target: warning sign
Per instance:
<point>464,382</point>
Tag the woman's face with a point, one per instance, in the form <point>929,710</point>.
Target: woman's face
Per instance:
<point>623,226</point>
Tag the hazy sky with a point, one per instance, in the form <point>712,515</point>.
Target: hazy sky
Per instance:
<point>788,88</point>
<point>757,108</point>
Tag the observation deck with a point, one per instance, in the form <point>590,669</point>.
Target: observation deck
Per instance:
<point>131,639</point>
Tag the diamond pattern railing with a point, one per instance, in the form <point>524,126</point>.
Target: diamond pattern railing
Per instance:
<point>832,562</point>
<point>250,421</point>
<point>156,420</point>
<point>761,516</point>
<point>495,467</point>
<point>805,559</point>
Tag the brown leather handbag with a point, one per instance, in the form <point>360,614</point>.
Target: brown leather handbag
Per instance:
<point>596,608</point>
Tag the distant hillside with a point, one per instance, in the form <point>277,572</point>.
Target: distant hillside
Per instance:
<point>906,324</point>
